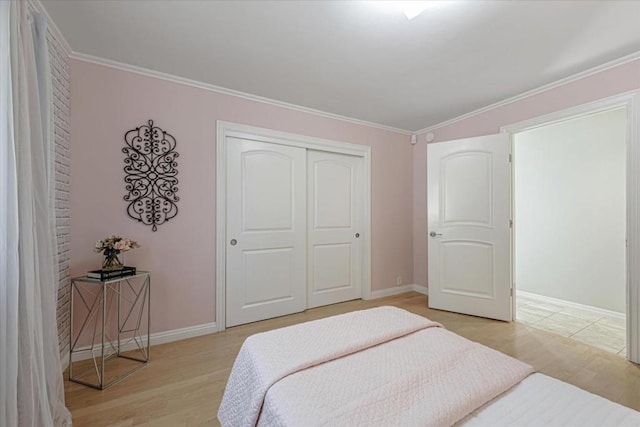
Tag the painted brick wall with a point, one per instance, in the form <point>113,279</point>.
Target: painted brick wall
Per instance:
<point>59,62</point>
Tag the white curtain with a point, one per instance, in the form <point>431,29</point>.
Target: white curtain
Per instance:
<point>8,237</point>
<point>31,386</point>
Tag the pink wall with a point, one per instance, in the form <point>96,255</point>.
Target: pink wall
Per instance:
<point>420,213</point>
<point>607,83</point>
<point>105,102</point>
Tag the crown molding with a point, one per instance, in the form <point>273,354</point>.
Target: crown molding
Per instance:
<point>39,7</point>
<point>591,71</point>
<point>218,89</point>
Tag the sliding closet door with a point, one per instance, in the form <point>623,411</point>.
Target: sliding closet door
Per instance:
<point>335,197</point>
<point>266,230</point>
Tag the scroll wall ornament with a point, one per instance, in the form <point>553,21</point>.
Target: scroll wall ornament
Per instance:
<point>151,175</point>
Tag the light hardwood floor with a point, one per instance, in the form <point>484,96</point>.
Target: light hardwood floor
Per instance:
<point>183,384</point>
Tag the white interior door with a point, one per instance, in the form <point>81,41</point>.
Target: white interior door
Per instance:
<point>266,230</point>
<point>469,226</point>
<point>334,206</point>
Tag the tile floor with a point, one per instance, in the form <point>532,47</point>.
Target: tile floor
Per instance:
<point>589,328</point>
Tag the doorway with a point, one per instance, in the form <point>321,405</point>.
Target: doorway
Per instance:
<point>569,210</point>
<point>455,291</point>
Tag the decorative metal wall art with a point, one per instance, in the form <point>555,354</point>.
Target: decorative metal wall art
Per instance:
<point>151,175</point>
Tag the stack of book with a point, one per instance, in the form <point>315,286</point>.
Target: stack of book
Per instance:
<point>111,274</point>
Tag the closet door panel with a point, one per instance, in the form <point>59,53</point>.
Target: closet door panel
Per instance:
<point>266,231</point>
<point>334,207</point>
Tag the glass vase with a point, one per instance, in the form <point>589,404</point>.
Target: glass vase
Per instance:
<point>111,262</point>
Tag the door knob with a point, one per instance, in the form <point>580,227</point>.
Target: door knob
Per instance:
<point>233,242</point>
<point>434,234</point>
<point>357,235</point>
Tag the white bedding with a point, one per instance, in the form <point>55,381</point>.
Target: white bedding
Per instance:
<point>429,378</point>
<point>267,358</point>
<point>540,400</point>
<point>358,369</point>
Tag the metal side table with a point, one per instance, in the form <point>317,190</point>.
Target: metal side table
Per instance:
<point>120,336</point>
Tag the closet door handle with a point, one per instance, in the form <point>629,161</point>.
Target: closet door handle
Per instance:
<point>434,234</point>
<point>357,235</point>
<point>233,242</point>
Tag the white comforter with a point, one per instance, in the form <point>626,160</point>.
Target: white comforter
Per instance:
<point>386,366</point>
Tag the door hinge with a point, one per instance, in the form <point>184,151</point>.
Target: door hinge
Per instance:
<point>509,157</point>
<point>511,291</point>
<point>510,223</point>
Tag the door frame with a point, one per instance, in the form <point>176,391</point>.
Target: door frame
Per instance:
<point>631,101</point>
<point>228,129</point>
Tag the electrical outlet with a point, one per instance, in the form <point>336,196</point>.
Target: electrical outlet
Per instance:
<point>399,280</point>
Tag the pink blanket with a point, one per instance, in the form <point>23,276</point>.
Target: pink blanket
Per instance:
<point>374,367</point>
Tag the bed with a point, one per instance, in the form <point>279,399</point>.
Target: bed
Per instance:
<point>385,366</point>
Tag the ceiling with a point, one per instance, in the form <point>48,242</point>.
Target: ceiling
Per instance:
<point>354,59</point>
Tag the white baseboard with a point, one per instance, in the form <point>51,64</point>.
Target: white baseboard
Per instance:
<point>557,301</point>
<point>421,289</point>
<point>398,290</point>
<point>84,353</point>
<point>391,291</point>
